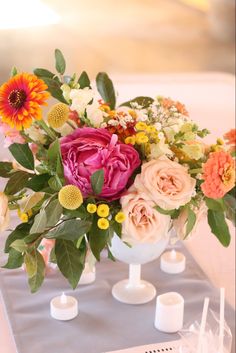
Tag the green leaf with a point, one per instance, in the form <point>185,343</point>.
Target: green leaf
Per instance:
<point>54,87</point>
<point>31,201</point>
<point>20,232</point>
<point>23,155</point>
<point>230,203</point>
<point>32,238</point>
<point>40,222</point>
<point>60,62</point>
<point>5,169</point>
<point>53,212</point>
<point>30,261</point>
<point>38,182</point>
<point>78,213</point>
<point>15,259</point>
<point>219,227</point>
<point>55,183</point>
<point>19,245</point>
<point>43,73</point>
<point>55,159</point>
<point>106,89</point>
<point>165,212</point>
<point>16,183</point>
<point>35,281</point>
<point>142,101</point>
<point>117,228</point>
<point>70,260</point>
<point>97,181</point>
<point>190,222</point>
<point>14,71</point>
<point>70,230</point>
<point>98,239</point>
<point>215,204</point>
<point>84,80</point>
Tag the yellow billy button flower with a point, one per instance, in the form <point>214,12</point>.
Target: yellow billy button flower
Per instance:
<point>141,126</point>
<point>130,140</point>
<point>58,115</point>
<point>103,223</point>
<point>103,210</point>
<point>91,208</point>
<point>70,197</point>
<point>120,217</point>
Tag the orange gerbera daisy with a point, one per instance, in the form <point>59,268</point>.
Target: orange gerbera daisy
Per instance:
<point>20,100</point>
<point>218,175</point>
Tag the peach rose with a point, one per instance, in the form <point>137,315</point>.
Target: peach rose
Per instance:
<point>167,183</point>
<point>180,223</point>
<point>4,212</point>
<point>143,224</point>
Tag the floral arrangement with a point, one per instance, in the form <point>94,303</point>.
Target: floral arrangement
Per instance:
<point>90,169</point>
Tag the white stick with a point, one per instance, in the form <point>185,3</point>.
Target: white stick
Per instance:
<point>203,325</point>
<point>222,319</point>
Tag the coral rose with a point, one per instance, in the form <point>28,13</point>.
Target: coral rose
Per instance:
<point>167,183</point>
<point>218,175</point>
<point>142,224</point>
<point>230,138</point>
<point>87,150</point>
<point>4,212</point>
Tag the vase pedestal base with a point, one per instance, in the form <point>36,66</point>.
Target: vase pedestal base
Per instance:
<point>127,293</point>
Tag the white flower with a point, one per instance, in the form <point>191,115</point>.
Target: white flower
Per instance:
<point>141,115</point>
<point>158,126</point>
<point>94,114</point>
<point>80,99</point>
<point>66,91</point>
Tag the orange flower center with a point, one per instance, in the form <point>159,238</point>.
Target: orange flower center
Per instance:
<point>17,98</point>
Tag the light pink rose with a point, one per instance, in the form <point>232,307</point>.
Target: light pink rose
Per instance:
<point>180,223</point>
<point>167,183</point>
<point>4,212</point>
<point>142,224</point>
<point>87,150</point>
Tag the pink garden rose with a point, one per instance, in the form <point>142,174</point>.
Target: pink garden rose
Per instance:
<point>167,183</point>
<point>87,150</point>
<point>142,224</point>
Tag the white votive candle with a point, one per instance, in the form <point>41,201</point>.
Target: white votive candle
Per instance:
<point>169,312</point>
<point>173,262</point>
<point>88,275</point>
<point>64,307</point>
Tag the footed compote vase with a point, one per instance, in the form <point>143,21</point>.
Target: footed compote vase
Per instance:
<point>134,290</point>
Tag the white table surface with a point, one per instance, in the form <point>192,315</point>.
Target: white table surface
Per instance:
<point>209,98</point>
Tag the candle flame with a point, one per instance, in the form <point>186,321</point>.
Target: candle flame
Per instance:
<point>63,298</point>
<point>173,254</point>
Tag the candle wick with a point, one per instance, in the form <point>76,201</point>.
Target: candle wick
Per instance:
<point>63,298</point>
<point>173,254</point>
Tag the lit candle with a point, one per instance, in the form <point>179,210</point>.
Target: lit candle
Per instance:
<point>173,262</point>
<point>64,307</point>
<point>169,312</point>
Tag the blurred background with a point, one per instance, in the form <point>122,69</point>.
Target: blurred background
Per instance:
<point>125,36</point>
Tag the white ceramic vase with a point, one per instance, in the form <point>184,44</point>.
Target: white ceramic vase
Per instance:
<point>134,290</point>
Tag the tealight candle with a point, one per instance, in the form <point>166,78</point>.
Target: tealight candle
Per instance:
<point>64,307</point>
<point>169,312</point>
<point>173,262</point>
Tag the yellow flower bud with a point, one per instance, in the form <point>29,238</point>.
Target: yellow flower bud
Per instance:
<point>151,129</point>
<point>58,115</point>
<point>130,140</point>
<point>103,223</point>
<point>91,208</point>
<point>24,217</point>
<point>70,197</point>
<point>219,141</point>
<point>120,217</point>
<point>103,210</point>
